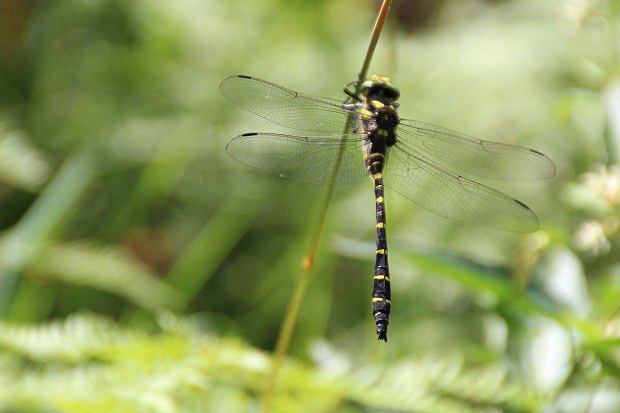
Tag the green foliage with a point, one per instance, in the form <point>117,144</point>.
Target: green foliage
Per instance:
<point>88,363</point>
<point>22,165</point>
<point>103,268</point>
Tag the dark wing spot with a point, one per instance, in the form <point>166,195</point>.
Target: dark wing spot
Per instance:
<point>521,203</point>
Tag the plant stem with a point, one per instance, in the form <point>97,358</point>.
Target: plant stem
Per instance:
<point>290,319</point>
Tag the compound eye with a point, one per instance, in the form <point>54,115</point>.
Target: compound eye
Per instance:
<point>392,92</point>
<point>366,87</point>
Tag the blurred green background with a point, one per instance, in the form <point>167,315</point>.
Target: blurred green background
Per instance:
<point>143,270</point>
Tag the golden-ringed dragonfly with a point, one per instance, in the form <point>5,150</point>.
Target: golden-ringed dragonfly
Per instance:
<point>422,162</point>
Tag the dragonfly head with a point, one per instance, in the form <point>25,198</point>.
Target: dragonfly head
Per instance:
<point>378,87</point>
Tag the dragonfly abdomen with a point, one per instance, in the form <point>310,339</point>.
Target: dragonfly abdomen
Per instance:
<point>381,293</point>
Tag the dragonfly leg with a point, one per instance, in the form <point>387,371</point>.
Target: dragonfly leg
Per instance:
<point>352,106</point>
<point>351,93</point>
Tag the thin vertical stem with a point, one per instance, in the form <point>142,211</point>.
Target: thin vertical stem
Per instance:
<point>381,18</point>
<point>290,318</point>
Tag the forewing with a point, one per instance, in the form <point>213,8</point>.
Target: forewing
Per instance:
<point>283,106</point>
<point>304,159</point>
<point>481,158</point>
<point>455,197</point>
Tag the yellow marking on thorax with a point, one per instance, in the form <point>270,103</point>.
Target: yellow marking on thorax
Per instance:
<point>366,114</point>
<point>377,176</point>
<point>377,155</point>
<point>377,105</point>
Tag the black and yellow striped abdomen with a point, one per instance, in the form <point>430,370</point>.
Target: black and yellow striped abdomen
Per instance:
<point>381,292</point>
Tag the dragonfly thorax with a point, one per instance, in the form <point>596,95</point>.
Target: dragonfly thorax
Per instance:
<point>378,116</point>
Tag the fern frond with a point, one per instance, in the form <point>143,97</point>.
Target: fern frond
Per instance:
<point>106,268</point>
<point>21,164</point>
<point>442,385</point>
<point>75,339</point>
<point>182,370</point>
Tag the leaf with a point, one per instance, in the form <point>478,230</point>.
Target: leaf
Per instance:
<point>21,164</point>
<point>106,268</point>
<point>75,339</point>
<point>182,369</point>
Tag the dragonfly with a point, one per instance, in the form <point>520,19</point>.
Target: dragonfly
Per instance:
<point>425,163</point>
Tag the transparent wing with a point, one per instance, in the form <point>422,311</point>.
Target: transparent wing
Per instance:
<point>283,106</point>
<point>299,158</point>
<point>455,197</point>
<point>485,159</point>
